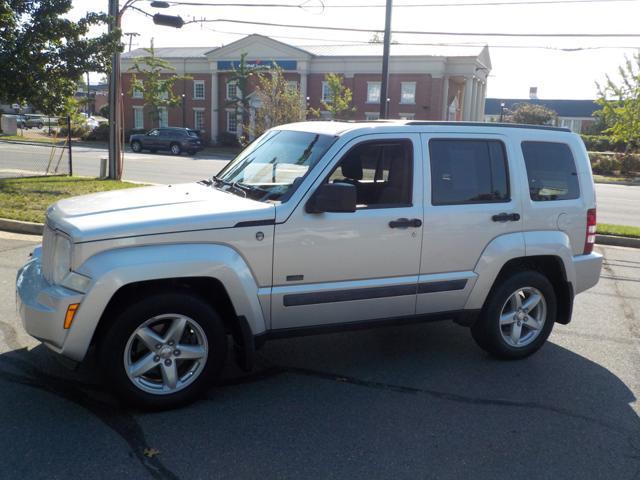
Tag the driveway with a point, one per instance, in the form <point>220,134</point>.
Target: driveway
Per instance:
<point>410,402</point>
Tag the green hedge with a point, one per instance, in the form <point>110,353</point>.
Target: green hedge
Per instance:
<point>627,165</point>
<point>603,143</point>
<point>98,134</point>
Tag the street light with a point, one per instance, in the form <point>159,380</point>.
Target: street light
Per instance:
<point>502,109</point>
<point>184,123</point>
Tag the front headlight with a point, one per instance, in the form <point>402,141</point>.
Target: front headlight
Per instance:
<point>61,259</point>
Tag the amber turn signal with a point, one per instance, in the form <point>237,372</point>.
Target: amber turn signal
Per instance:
<point>71,312</point>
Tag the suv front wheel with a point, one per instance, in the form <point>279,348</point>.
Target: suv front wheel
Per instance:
<point>518,316</point>
<point>164,350</point>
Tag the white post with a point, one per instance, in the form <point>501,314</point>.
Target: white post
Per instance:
<point>445,98</point>
<point>214,106</point>
<point>466,104</point>
<point>473,114</point>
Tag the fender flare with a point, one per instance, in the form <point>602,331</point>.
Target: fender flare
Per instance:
<point>517,245</point>
<point>112,269</point>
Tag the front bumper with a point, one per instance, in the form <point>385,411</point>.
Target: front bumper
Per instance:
<point>42,306</point>
<point>587,268</point>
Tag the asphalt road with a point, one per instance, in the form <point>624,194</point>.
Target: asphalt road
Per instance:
<point>617,204</point>
<point>409,402</point>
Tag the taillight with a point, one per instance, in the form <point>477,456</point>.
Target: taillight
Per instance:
<point>590,236</point>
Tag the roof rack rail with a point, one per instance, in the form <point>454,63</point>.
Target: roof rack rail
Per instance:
<point>489,124</point>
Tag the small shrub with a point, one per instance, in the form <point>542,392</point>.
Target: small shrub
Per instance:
<point>227,139</point>
<point>602,143</point>
<point>98,134</point>
<point>77,131</point>
<point>629,165</point>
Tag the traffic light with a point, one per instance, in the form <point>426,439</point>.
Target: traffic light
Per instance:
<point>168,20</point>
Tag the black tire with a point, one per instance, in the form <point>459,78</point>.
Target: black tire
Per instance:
<point>112,346</point>
<point>41,126</point>
<point>175,149</point>
<point>136,146</point>
<point>488,332</point>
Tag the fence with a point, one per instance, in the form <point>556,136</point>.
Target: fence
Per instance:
<point>37,152</point>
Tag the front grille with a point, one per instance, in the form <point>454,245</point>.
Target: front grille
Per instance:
<point>48,248</point>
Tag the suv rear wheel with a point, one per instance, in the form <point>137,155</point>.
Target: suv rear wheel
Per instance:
<point>175,149</point>
<point>164,350</point>
<point>517,317</point>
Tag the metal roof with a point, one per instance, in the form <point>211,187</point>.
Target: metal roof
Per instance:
<point>564,108</point>
<point>171,52</point>
<point>375,50</point>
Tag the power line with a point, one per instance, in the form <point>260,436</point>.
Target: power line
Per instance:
<point>418,32</point>
<point>323,5</point>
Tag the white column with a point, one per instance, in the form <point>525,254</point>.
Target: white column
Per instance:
<point>479,100</point>
<point>466,104</point>
<point>214,106</point>
<point>484,99</point>
<point>303,89</point>
<point>474,101</point>
<point>445,98</point>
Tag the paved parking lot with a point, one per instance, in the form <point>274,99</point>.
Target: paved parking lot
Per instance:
<point>413,402</point>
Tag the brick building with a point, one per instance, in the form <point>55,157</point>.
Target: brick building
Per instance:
<point>425,83</point>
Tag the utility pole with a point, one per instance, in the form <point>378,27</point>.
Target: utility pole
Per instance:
<point>384,85</point>
<point>131,35</point>
<point>115,127</point>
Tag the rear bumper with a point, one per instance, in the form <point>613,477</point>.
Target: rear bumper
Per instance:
<point>42,306</point>
<point>587,268</point>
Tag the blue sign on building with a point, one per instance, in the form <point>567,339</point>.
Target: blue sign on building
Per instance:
<point>283,64</point>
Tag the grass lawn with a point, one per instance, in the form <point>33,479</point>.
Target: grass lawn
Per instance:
<point>607,178</point>
<point>620,230</point>
<point>28,198</point>
<point>21,138</point>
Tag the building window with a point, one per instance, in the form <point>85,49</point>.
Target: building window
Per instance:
<point>292,85</point>
<point>198,89</point>
<point>408,92</point>
<point>326,92</point>
<point>232,122</point>
<point>407,116</point>
<point>138,117</point>
<point>136,93</point>
<point>163,117</point>
<point>198,119</point>
<point>572,124</point>
<point>370,116</point>
<point>233,91</point>
<point>373,92</point>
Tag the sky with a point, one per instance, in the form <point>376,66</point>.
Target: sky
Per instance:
<point>539,62</point>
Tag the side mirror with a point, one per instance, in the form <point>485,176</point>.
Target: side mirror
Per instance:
<point>333,197</point>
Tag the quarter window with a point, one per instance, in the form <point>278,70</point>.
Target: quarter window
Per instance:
<point>468,171</point>
<point>551,171</point>
<point>381,171</point>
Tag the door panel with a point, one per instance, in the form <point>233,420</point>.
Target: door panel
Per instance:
<point>455,235</point>
<point>345,267</point>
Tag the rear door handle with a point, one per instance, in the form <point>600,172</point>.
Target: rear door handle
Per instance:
<point>405,223</point>
<point>506,217</point>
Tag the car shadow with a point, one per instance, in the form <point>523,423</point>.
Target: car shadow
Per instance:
<point>398,402</point>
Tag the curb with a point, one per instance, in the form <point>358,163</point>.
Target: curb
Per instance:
<point>31,228</point>
<point>616,241</point>
<point>626,184</point>
<point>36,144</point>
<point>16,226</point>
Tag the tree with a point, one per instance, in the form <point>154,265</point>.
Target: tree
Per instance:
<point>241,100</point>
<point>280,103</point>
<point>339,104</point>
<point>43,54</point>
<point>532,114</point>
<point>155,85</point>
<point>620,104</point>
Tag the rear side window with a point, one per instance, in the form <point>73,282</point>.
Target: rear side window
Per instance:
<point>551,171</point>
<point>468,171</point>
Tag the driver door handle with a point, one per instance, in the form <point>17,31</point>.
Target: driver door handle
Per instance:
<point>405,223</point>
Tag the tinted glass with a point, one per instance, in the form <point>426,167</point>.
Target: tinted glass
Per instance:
<point>274,165</point>
<point>380,171</point>
<point>551,171</point>
<point>468,171</point>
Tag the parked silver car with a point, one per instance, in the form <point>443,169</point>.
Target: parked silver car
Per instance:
<point>317,227</point>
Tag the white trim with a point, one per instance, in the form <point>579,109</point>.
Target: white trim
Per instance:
<point>197,83</point>
<point>407,116</point>
<point>201,111</point>
<point>136,93</point>
<point>163,117</point>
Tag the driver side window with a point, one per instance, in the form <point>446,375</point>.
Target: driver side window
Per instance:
<point>153,133</point>
<point>381,171</point>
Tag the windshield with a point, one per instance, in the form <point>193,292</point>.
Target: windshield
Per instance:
<point>274,165</point>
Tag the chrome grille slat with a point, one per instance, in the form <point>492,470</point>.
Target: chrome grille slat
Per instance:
<point>48,247</point>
